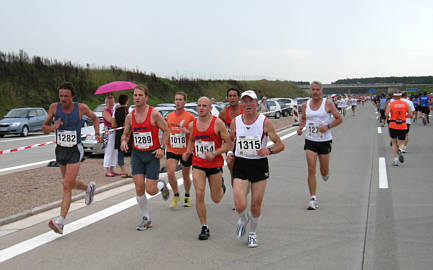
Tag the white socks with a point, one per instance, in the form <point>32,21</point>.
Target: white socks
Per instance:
<point>160,185</point>
<point>254,223</point>
<point>244,216</point>
<point>142,203</point>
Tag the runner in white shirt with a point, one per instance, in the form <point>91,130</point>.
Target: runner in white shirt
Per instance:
<point>408,120</point>
<point>316,117</point>
<point>251,131</point>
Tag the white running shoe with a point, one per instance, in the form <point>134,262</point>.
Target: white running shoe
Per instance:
<point>241,227</point>
<point>56,225</point>
<point>326,177</point>
<point>313,205</point>
<point>144,224</point>
<point>395,163</point>
<point>90,194</point>
<point>252,240</point>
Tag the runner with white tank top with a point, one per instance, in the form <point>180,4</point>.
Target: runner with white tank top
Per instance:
<point>316,118</point>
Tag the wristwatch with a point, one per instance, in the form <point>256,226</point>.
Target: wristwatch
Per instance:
<point>163,147</point>
<point>329,126</point>
<point>270,150</point>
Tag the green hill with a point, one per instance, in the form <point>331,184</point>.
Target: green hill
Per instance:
<point>26,81</point>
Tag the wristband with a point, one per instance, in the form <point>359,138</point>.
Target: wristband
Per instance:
<point>329,126</point>
<point>214,153</point>
<point>229,152</point>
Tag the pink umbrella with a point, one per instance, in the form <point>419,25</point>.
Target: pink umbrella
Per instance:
<point>114,86</point>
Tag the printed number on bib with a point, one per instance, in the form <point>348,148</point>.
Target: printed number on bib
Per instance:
<point>202,147</point>
<point>177,140</point>
<point>143,140</point>
<point>248,145</point>
<point>313,130</point>
<point>67,138</point>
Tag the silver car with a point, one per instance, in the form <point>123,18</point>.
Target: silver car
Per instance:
<point>21,121</point>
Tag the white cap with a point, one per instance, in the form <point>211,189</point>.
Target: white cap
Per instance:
<point>249,93</point>
<point>397,94</point>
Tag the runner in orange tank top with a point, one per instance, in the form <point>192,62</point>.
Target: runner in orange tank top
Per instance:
<point>178,122</point>
<point>207,134</point>
<point>145,122</point>
<point>396,116</point>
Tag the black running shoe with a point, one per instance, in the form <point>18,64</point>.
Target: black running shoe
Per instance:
<point>204,234</point>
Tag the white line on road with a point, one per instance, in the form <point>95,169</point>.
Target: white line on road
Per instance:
<point>383,179</point>
<point>27,138</point>
<point>27,245</point>
<point>26,165</point>
<point>379,130</point>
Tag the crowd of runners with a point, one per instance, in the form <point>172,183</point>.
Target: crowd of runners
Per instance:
<point>201,145</point>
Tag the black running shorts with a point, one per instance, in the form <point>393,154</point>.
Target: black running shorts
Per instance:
<point>170,155</point>
<point>69,155</point>
<point>253,170</point>
<point>321,148</point>
<point>397,133</point>
<point>209,171</point>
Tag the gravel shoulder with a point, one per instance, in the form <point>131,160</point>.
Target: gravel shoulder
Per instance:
<point>24,190</point>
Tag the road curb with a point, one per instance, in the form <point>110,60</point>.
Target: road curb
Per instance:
<point>49,206</point>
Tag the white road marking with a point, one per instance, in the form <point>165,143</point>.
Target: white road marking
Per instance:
<point>27,138</point>
<point>383,179</point>
<point>379,130</point>
<point>27,245</point>
<point>26,165</point>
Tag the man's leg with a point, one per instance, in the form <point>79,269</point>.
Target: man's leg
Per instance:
<point>240,191</point>
<point>70,172</point>
<point>311,163</point>
<point>186,171</point>
<point>215,185</point>
<point>324,165</point>
<point>257,194</point>
<point>199,181</point>
<point>171,170</point>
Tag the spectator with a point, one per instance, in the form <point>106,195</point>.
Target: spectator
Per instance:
<point>110,154</point>
<point>119,121</point>
<point>264,105</point>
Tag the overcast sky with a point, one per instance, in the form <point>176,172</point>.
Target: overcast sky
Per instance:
<point>245,39</point>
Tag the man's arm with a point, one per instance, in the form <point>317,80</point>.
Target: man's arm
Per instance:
<point>222,114</point>
<point>190,145</point>
<point>338,120</point>
<point>86,111</point>
<point>303,118</point>
<point>278,144</point>
<point>162,125</point>
<point>46,126</point>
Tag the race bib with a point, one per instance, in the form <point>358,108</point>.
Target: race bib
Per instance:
<point>202,147</point>
<point>67,138</point>
<point>178,140</point>
<point>143,140</point>
<point>313,130</point>
<point>248,145</point>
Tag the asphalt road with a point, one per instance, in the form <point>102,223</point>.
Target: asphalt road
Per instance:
<point>357,226</point>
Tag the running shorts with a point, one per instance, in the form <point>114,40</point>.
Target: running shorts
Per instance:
<point>424,110</point>
<point>397,133</point>
<point>321,148</point>
<point>170,155</point>
<point>144,162</point>
<point>382,114</point>
<point>69,155</point>
<point>253,170</point>
<point>209,171</point>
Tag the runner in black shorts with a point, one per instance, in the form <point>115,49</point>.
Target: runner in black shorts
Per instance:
<point>178,122</point>
<point>69,150</point>
<point>250,131</point>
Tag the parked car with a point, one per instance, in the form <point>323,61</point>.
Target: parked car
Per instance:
<point>90,144</point>
<point>286,105</point>
<point>300,101</point>
<point>22,121</point>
